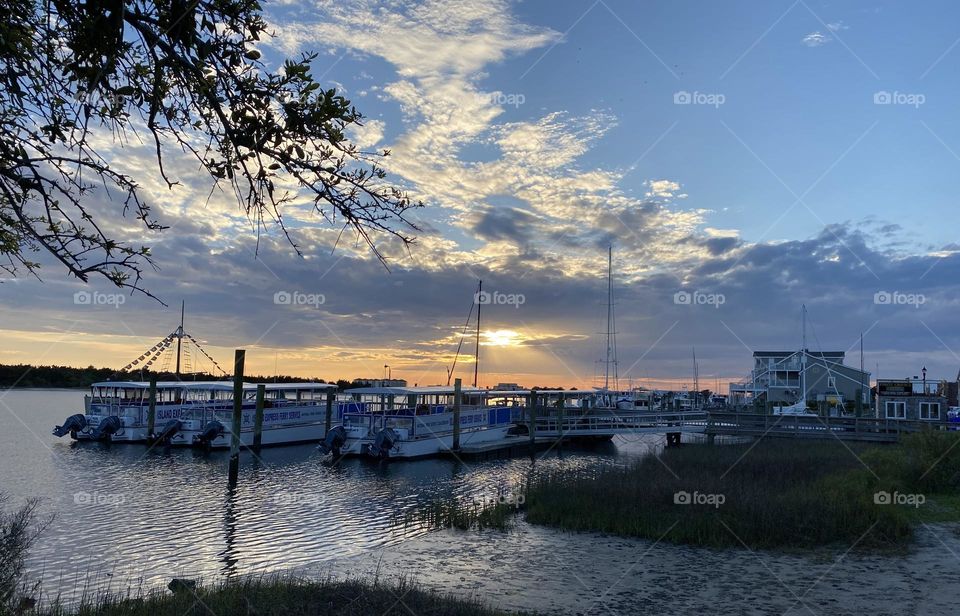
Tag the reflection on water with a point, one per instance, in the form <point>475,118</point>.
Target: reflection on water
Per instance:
<point>126,512</point>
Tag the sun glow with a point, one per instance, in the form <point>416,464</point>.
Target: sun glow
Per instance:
<point>502,338</point>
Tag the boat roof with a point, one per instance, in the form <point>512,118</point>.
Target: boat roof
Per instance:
<point>406,391</point>
<point>303,385</point>
<point>212,385</point>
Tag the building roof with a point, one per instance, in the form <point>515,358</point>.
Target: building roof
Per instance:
<point>840,354</point>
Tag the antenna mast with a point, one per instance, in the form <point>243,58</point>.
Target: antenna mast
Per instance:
<point>611,329</point>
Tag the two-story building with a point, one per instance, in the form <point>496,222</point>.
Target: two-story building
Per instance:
<point>820,378</point>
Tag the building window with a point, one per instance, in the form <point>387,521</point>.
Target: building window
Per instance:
<point>929,410</point>
<point>896,410</point>
<point>832,382</point>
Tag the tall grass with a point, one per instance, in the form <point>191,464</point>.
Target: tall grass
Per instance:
<point>284,595</point>
<point>762,495</point>
<point>19,528</point>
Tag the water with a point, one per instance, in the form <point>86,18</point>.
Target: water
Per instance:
<point>125,514</point>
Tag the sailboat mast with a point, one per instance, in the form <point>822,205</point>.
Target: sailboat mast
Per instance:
<point>476,359</point>
<point>606,370</point>
<point>180,337</point>
<point>803,354</point>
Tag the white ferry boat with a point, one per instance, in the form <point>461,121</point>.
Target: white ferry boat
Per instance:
<point>118,410</point>
<point>292,413</point>
<point>200,413</point>
<point>414,422</point>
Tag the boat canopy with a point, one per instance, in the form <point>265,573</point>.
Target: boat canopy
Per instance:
<point>295,386</point>
<point>196,385</point>
<point>433,390</point>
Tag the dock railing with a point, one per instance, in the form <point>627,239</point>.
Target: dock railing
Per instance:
<point>813,426</point>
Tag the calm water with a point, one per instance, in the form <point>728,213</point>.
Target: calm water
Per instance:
<point>128,515</point>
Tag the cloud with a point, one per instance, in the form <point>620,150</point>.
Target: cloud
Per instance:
<point>816,39</point>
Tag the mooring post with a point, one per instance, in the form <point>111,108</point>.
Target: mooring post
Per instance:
<point>234,471</point>
<point>258,418</point>
<point>152,409</point>
<point>532,428</point>
<point>329,418</point>
<point>456,414</point>
<point>560,416</point>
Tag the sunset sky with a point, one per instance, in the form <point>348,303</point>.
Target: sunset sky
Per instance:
<point>749,157</point>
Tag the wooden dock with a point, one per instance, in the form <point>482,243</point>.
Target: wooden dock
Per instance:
<point>869,429</point>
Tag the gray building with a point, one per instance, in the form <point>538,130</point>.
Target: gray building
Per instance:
<point>912,399</point>
<point>784,378</point>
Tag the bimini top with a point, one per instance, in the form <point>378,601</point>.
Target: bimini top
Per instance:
<point>435,390</point>
<point>212,385</point>
<point>304,385</point>
<point>204,385</point>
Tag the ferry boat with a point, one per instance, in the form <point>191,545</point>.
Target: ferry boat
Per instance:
<point>118,410</point>
<point>415,422</point>
<point>292,413</point>
<point>200,413</point>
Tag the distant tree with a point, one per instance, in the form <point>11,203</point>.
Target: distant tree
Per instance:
<point>184,76</point>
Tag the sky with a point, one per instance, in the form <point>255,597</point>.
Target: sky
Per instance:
<point>743,159</point>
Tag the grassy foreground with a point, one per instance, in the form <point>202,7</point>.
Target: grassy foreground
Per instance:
<point>770,494</point>
<point>279,596</point>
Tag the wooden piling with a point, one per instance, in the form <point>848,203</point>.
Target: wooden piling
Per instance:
<point>152,409</point>
<point>234,471</point>
<point>560,416</point>
<point>532,423</point>
<point>329,419</point>
<point>457,399</point>
<point>258,418</point>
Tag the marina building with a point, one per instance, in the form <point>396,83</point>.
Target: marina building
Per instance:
<point>914,398</point>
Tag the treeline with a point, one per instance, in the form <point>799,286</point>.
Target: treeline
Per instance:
<point>25,375</point>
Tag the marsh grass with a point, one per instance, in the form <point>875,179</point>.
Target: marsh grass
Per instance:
<point>452,513</point>
<point>775,494</point>
<point>285,595</point>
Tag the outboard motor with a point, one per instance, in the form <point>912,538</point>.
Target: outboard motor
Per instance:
<point>334,440</point>
<point>73,424</point>
<point>169,430</point>
<point>383,443</point>
<point>107,428</point>
<point>210,432</point>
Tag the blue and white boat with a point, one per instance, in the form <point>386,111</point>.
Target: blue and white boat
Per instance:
<point>415,422</point>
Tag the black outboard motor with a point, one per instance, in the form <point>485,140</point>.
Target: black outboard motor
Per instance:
<point>334,440</point>
<point>107,428</point>
<point>211,431</point>
<point>383,443</point>
<point>73,424</point>
<point>169,430</point>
